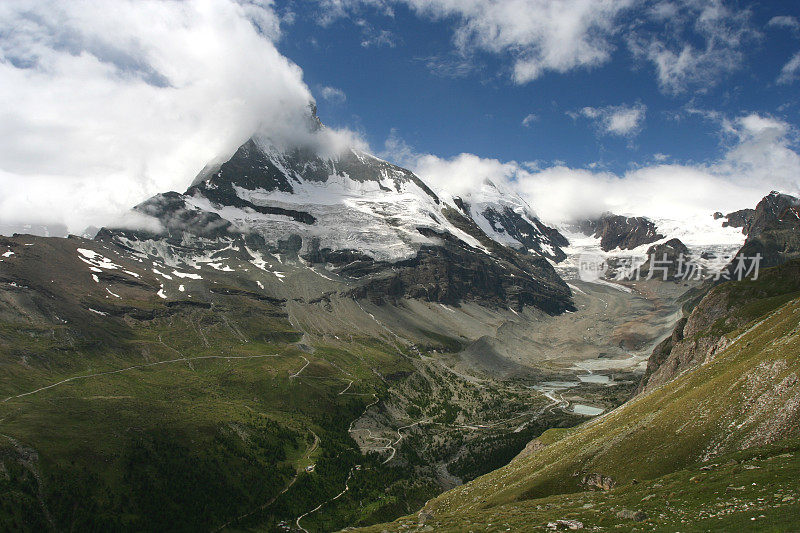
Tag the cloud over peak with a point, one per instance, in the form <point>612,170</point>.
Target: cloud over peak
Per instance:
<point>98,114</point>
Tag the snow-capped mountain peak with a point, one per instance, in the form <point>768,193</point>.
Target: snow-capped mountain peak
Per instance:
<point>351,200</point>
<point>360,218</point>
<point>509,220</point>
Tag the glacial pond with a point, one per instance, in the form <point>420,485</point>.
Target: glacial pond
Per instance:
<point>586,410</point>
<point>595,378</point>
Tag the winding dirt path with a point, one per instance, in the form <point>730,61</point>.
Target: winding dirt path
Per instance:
<point>400,437</point>
<point>320,506</point>
<point>272,500</point>
<point>301,370</point>
<point>313,446</point>
<point>134,367</point>
<point>261,507</point>
<point>347,388</point>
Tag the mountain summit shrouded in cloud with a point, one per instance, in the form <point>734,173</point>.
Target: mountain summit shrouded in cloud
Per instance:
<point>99,114</point>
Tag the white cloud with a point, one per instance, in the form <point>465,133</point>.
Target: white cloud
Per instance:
<point>538,35</point>
<point>784,21</point>
<point>530,119</point>
<point>763,153</point>
<point>761,158</point>
<point>791,70</point>
<point>621,120</point>
<point>752,125</point>
<point>372,36</point>
<point>691,43</point>
<point>464,173</point>
<point>332,94</point>
<point>102,108</point>
<point>680,62</point>
<point>664,11</point>
<point>332,10</point>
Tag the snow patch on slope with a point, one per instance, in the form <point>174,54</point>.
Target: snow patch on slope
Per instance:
<point>377,217</point>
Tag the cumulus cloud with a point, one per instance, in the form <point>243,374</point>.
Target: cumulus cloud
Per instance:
<point>703,42</point>
<point>763,152</point>
<point>690,43</point>
<point>621,120</point>
<point>761,157</point>
<point>538,35</point>
<point>541,36</point>
<point>791,70</point>
<point>464,173</point>
<point>102,108</point>
<point>333,95</point>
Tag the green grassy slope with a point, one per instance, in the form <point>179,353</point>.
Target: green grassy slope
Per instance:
<point>188,436</point>
<point>755,490</point>
<point>746,398</point>
<point>124,411</point>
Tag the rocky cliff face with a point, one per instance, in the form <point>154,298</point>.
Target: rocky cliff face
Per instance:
<point>774,230</point>
<point>772,210</point>
<point>452,272</point>
<point>667,257</point>
<point>616,231</point>
<point>737,219</point>
<point>706,330</point>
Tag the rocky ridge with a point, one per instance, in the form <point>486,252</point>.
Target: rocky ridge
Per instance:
<point>617,231</point>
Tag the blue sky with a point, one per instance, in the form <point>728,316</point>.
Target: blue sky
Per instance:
<point>662,108</point>
<point>388,80</point>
